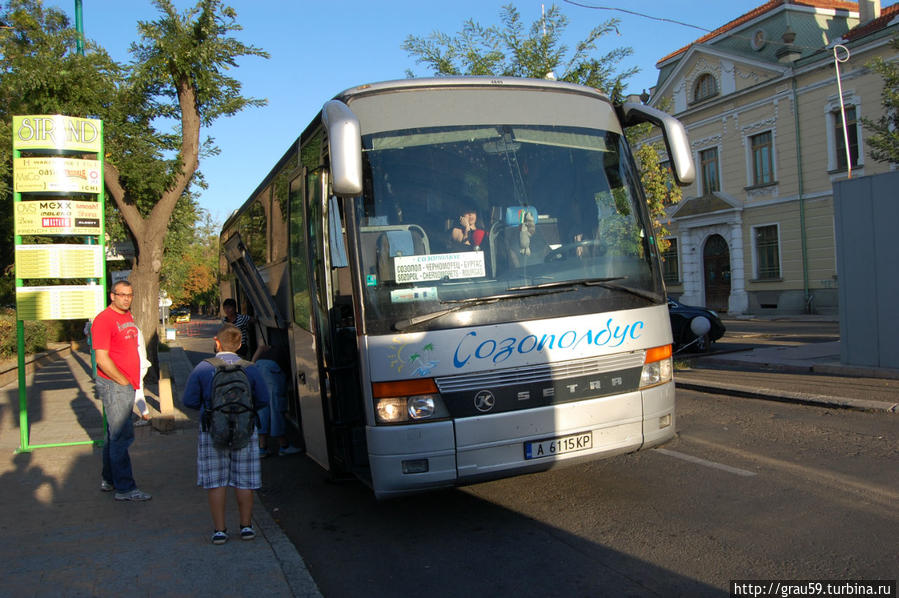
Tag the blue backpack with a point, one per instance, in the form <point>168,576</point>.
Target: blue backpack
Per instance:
<point>230,415</point>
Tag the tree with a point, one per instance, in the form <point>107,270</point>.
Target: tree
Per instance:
<point>178,78</point>
<point>884,142</point>
<point>660,189</point>
<point>42,73</point>
<point>153,111</point>
<point>189,270</point>
<point>512,52</point>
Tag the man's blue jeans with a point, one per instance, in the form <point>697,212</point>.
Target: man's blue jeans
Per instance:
<point>118,402</point>
<point>271,417</point>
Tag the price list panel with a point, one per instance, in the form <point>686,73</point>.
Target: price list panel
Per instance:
<point>59,261</point>
<point>72,302</point>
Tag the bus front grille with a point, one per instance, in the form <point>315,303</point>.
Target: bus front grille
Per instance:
<point>541,373</point>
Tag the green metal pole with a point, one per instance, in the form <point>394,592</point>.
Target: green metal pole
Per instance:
<point>23,399</point>
<point>79,27</point>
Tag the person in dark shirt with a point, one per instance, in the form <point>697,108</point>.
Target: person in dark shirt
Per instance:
<point>229,306</point>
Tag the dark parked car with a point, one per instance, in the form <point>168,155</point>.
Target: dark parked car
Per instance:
<point>694,328</point>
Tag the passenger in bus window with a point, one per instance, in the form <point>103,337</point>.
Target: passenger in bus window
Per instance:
<point>465,234</point>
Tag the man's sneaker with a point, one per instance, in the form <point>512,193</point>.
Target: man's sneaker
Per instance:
<point>106,486</point>
<point>220,536</point>
<point>289,450</point>
<point>247,532</point>
<point>135,495</point>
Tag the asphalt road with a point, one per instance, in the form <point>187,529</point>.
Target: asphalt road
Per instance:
<point>748,489</point>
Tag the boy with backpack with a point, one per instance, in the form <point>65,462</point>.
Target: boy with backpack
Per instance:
<point>229,391</point>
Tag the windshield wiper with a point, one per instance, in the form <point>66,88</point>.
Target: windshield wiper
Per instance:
<point>606,283</point>
<point>468,302</point>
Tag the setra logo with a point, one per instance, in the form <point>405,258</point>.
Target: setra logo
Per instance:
<point>484,401</point>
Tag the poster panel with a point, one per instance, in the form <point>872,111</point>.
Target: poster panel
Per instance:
<point>66,175</point>
<point>57,217</point>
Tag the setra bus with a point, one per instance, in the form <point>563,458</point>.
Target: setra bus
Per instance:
<point>422,355</point>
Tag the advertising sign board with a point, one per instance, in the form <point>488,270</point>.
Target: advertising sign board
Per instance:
<point>68,175</point>
<point>57,132</point>
<point>57,217</point>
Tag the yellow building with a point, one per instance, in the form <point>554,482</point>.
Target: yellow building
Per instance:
<point>760,100</point>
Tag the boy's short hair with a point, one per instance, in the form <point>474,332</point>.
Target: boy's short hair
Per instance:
<point>229,337</point>
<point>229,301</point>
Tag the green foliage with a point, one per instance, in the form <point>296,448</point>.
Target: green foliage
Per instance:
<point>190,265</point>
<point>884,142</point>
<point>658,182</point>
<point>659,188</point>
<point>192,49</point>
<point>41,72</point>
<point>513,50</point>
<point>37,335</point>
<point>153,110</point>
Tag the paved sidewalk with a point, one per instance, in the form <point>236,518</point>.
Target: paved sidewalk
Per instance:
<point>809,373</point>
<point>63,537</point>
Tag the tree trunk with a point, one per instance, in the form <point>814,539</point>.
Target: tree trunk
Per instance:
<point>145,307</point>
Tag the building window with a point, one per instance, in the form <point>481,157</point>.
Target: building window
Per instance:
<point>767,252</point>
<point>705,87</point>
<point>670,263</point>
<point>762,158</point>
<point>708,161</point>
<point>852,129</point>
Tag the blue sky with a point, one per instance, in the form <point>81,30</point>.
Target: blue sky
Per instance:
<point>319,48</point>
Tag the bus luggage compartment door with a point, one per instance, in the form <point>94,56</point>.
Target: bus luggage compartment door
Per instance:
<point>494,445</point>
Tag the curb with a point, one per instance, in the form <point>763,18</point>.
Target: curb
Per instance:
<point>34,362</point>
<point>785,396</point>
<point>292,564</point>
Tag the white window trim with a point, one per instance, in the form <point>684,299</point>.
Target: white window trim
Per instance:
<point>678,252</point>
<point>833,105</point>
<point>755,252</point>
<point>700,182</point>
<point>750,166</point>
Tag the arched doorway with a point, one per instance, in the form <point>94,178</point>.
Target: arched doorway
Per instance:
<point>716,272</point>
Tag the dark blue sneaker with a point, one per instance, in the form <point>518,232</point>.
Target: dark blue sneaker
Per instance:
<point>133,496</point>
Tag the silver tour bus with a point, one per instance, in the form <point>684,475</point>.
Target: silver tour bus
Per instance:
<point>460,278</point>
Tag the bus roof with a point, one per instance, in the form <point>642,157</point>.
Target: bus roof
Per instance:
<point>467,81</point>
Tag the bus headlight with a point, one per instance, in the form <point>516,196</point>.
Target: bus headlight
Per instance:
<point>421,407</point>
<point>407,402</point>
<point>391,410</point>
<point>657,367</point>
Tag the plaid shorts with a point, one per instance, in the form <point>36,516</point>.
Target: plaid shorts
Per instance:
<point>217,468</point>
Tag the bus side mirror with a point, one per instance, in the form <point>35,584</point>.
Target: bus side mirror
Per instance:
<point>672,130</point>
<point>344,148</point>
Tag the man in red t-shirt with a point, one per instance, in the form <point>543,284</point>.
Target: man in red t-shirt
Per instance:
<point>114,340</point>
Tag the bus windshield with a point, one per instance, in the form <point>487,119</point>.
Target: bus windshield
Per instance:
<point>486,224</point>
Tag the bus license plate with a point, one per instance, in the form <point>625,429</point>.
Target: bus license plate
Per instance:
<point>558,446</point>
